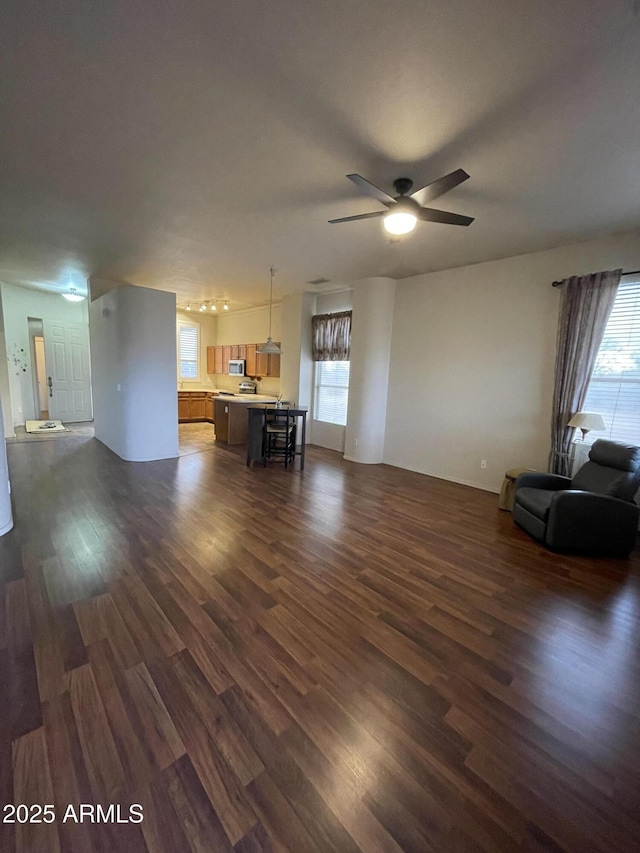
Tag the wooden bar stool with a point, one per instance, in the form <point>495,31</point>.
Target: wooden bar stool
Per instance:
<point>280,436</point>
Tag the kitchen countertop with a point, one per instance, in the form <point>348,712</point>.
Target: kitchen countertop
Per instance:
<point>249,398</point>
<point>230,395</point>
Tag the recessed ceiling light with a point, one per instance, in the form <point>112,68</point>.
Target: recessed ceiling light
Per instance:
<point>73,295</point>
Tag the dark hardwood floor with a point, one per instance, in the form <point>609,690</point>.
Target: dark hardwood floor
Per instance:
<point>353,658</point>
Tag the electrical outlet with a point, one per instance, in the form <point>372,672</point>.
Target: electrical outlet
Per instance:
<point>483,463</point>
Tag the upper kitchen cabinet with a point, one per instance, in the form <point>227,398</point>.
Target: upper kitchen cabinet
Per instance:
<point>256,364</point>
<point>266,365</point>
<point>250,364</point>
<point>274,364</point>
<point>214,360</point>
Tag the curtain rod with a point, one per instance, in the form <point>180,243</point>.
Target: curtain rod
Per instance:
<point>631,272</point>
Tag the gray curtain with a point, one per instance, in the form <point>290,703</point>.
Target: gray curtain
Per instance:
<point>331,336</point>
<point>585,306</point>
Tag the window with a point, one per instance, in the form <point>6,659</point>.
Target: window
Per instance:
<point>188,347</point>
<point>332,392</point>
<point>614,389</point>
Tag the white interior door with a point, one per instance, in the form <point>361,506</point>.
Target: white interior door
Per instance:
<point>66,349</point>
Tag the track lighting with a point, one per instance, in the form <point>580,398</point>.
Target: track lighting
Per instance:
<point>188,308</point>
<point>226,306</point>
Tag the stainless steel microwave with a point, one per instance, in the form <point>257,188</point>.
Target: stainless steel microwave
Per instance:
<point>236,367</point>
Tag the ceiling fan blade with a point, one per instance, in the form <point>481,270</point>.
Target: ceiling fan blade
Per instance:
<point>361,216</point>
<point>439,187</point>
<point>371,189</point>
<point>429,214</point>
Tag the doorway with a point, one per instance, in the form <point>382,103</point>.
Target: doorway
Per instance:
<point>40,378</point>
<point>60,371</point>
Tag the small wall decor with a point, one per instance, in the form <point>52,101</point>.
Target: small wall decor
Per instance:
<point>18,360</point>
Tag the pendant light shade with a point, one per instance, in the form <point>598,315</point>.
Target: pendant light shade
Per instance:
<point>270,348</point>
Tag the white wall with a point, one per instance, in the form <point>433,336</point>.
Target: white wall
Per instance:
<point>371,331</point>
<point>20,303</point>
<point>472,361</point>
<point>133,360</point>
<point>5,390</point>
<point>296,367</point>
<point>6,515</point>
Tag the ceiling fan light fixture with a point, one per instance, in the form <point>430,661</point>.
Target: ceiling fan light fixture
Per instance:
<point>73,295</point>
<point>400,222</point>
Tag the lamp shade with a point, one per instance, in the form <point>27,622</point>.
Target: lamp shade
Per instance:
<point>269,348</point>
<point>587,421</point>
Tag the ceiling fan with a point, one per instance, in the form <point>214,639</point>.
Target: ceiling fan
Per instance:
<point>404,210</point>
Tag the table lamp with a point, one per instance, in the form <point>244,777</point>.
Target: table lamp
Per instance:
<point>587,421</point>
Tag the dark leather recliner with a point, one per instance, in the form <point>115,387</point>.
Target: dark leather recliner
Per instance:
<point>594,512</point>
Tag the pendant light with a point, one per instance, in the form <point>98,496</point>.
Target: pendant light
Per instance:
<point>269,348</point>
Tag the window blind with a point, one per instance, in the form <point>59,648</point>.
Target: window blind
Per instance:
<point>188,351</point>
<point>332,392</point>
<point>614,388</point>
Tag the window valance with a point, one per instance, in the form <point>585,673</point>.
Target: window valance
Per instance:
<point>332,336</point>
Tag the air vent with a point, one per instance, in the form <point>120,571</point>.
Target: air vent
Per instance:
<point>317,281</point>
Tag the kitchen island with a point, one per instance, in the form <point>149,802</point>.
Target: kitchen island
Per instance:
<point>231,417</point>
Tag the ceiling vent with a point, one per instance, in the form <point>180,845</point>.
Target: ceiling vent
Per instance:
<point>318,281</point>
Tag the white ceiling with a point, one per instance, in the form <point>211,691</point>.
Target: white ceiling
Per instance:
<point>189,146</point>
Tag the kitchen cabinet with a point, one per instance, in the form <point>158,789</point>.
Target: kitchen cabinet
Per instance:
<point>274,364</point>
<point>209,408</point>
<point>256,364</point>
<point>262,364</point>
<point>195,406</point>
<point>266,364</point>
<point>250,366</point>
<point>214,359</point>
<point>184,408</point>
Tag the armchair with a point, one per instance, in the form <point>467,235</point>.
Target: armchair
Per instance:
<point>593,512</point>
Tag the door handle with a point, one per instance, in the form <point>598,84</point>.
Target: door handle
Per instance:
<point>50,384</point>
